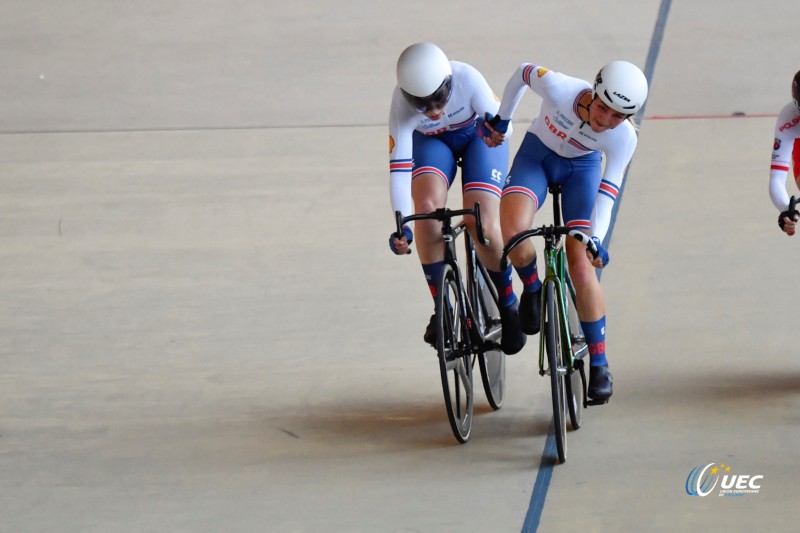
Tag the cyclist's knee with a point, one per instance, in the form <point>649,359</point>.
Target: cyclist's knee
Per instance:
<point>516,215</point>
<point>511,226</point>
<point>490,226</point>
<point>426,205</point>
<point>582,273</point>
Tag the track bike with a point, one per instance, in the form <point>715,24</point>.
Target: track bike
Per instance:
<point>467,322</point>
<point>562,346</point>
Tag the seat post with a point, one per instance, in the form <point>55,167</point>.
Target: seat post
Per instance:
<point>555,190</point>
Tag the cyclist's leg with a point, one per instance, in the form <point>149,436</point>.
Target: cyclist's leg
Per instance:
<point>579,195</point>
<point>525,191</point>
<point>483,175</point>
<point>433,173</point>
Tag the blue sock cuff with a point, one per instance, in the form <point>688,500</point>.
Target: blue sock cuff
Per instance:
<point>503,282</point>
<point>529,274</point>
<point>595,333</point>
<point>432,272</point>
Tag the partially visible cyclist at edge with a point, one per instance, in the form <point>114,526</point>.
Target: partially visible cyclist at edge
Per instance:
<point>563,145</point>
<point>785,148</point>
<point>432,124</point>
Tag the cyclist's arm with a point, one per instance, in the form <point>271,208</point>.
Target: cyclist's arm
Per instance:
<point>545,82</point>
<point>777,189</point>
<point>781,156</point>
<point>402,121</point>
<point>482,99</point>
<point>513,93</point>
<point>618,157</point>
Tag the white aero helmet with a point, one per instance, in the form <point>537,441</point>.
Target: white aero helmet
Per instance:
<point>425,76</point>
<point>622,86</point>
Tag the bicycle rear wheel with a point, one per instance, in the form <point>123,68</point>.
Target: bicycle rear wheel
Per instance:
<point>556,369</point>
<point>455,358</point>
<point>491,359</point>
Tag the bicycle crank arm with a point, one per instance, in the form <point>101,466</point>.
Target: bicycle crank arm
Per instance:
<point>494,335</point>
<point>579,347</point>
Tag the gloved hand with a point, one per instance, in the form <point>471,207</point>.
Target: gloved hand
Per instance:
<point>408,238</point>
<point>496,123</point>
<point>788,227</point>
<point>602,253</point>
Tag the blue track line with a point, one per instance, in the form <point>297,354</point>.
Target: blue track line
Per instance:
<point>545,474</point>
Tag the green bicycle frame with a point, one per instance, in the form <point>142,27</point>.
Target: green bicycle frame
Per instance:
<point>555,261</point>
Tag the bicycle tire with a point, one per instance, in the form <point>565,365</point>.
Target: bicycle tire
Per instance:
<point>455,357</point>
<point>573,385</point>
<point>492,362</point>
<point>556,369</point>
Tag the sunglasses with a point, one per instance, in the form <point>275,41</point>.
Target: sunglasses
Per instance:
<point>437,100</point>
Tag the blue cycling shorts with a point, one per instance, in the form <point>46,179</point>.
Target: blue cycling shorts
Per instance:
<point>536,166</point>
<point>484,168</point>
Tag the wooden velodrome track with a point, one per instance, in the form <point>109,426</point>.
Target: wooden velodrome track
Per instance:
<point>204,330</point>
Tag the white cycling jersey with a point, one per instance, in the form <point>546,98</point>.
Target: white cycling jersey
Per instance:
<point>787,130</point>
<point>470,97</point>
<point>561,129</point>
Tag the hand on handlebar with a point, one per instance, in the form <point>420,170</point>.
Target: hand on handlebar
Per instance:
<point>400,246</point>
<point>602,258</point>
<point>492,129</point>
<point>787,220</point>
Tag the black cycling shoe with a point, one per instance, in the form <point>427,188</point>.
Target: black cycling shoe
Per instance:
<point>430,332</point>
<point>600,381</point>
<point>513,339</point>
<point>530,315</point>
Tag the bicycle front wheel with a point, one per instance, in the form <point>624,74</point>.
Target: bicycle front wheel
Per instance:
<point>455,357</point>
<point>491,358</point>
<point>573,385</point>
<point>556,369</point>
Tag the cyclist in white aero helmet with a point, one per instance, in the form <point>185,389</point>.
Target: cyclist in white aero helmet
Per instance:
<point>622,86</point>
<point>425,76</point>
<point>576,123</point>
<point>432,130</point>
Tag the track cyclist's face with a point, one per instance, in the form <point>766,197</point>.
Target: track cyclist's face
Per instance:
<point>434,114</point>
<point>602,117</point>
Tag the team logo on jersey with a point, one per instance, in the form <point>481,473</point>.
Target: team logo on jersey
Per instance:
<point>541,71</point>
<point>391,144</point>
<point>791,124</point>
<point>777,144</point>
<point>582,103</point>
